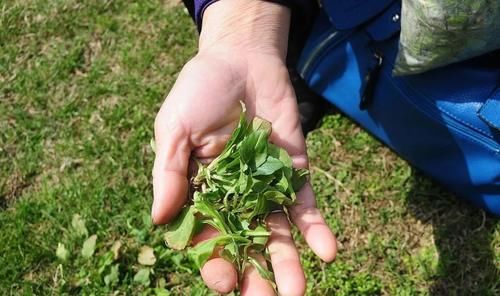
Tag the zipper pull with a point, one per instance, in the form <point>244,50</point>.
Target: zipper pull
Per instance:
<point>371,79</point>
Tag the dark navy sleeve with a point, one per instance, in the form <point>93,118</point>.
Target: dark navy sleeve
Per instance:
<point>301,9</point>
<point>199,9</point>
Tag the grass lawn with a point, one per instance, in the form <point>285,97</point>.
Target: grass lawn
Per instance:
<point>79,88</point>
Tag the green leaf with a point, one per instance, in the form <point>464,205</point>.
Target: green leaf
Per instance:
<point>207,210</point>
<point>161,292</point>
<point>105,261</point>
<point>260,149</point>
<point>259,243</point>
<point>89,246</point>
<point>180,231</point>
<point>112,278</point>
<point>78,225</point>
<point>261,207</point>
<point>243,184</point>
<point>283,184</point>
<point>142,276</point>
<point>230,252</point>
<point>146,256</point>
<point>299,178</point>
<point>248,203</point>
<point>269,167</point>
<point>273,150</point>
<point>234,222</point>
<point>61,252</point>
<point>269,179</point>
<point>247,149</point>
<point>253,149</point>
<point>285,158</point>
<point>259,185</point>
<point>261,125</point>
<point>203,251</point>
<point>237,136</point>
<point>263,272</point>
<point>260,236</point>
<point>239,132</point>
<point>277,197</point>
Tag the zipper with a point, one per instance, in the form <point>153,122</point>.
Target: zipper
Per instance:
<point>487,142</point>
<point>424,105</point>
<point>313,57</point>
<point>371,79</point>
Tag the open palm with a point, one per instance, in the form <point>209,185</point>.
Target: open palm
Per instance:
<point>197,119</point>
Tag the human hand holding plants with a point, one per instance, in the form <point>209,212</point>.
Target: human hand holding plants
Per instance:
<point>241,57</point>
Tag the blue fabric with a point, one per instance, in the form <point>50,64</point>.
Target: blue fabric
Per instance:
<point>347,14</point>
<point>490,111</point>
<point>387,24</point>
<point>435,120</point>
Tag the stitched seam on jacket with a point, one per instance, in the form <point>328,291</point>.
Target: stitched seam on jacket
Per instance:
<point>477,129</point>
<point>488,102</point>
<point>495,151</point>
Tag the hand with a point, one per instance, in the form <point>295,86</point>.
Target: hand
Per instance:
<point>201,111</point>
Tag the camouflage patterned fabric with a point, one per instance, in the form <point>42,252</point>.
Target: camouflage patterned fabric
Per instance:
<point>435,33</point>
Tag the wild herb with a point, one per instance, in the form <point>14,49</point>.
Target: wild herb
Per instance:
<point>234,193</point>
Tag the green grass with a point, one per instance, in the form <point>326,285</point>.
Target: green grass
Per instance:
<point>79,88</point>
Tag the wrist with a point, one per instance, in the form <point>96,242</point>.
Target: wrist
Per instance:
<point>245,25</point>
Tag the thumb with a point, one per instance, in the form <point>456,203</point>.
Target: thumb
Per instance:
<point>170,171</point>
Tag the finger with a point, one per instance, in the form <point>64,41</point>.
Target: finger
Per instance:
<point>252,283</point>
<point>285,259</point>
<point>288,134</point>
<point>170,182</point>
<point>213,145</point>
<point>217,273</point>
<point>311,224</point>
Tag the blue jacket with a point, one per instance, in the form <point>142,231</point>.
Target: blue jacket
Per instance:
<point>347,14</point>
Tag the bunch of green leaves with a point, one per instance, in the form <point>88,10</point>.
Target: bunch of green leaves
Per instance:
<point>234,193</point>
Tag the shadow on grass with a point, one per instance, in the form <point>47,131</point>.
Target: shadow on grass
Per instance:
<point>463,236</point>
